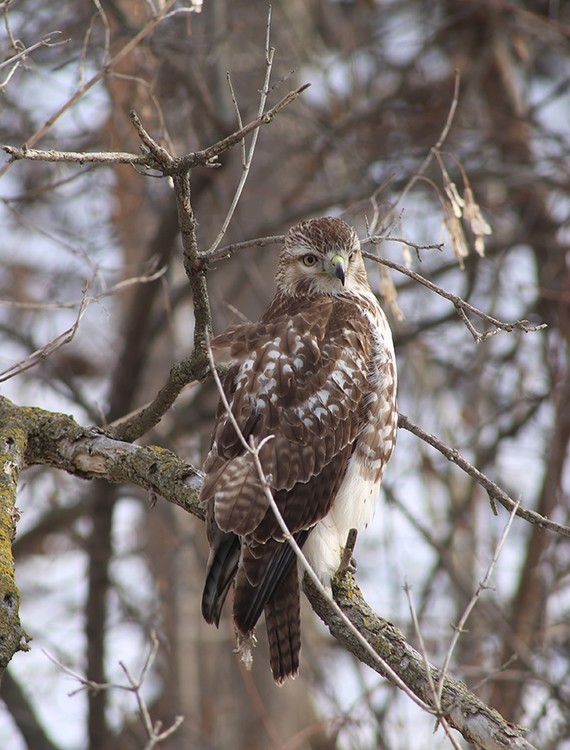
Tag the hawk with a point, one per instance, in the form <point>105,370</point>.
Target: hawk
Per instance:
<point>317,373</point>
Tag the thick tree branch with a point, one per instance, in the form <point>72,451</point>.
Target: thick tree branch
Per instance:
<point>13,440</point>
<point>57,440</point>
<point>477,722</point>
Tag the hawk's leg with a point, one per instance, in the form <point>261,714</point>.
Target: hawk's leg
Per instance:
<point>347,561</point>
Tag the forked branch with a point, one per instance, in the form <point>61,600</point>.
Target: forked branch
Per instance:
<point>493,490</point>
<point>461,305</point>
<point>155,156</point>
<point>477,722</point>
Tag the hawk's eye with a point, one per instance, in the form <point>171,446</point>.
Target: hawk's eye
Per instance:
<point>350,257</point>
<point>309,260</point>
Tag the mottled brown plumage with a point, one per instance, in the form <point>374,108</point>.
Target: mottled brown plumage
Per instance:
<point>317,373</point>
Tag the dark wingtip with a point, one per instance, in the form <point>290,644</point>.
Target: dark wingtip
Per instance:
<point>211,605</point>
<point>222,568</point>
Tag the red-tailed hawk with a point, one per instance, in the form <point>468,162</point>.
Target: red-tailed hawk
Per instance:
<point>318,374</point>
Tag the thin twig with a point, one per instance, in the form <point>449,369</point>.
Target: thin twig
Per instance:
<point>435,693</point>
<point>248,159</point>
<point>143,279</point>
<point>433,150</point>
<point>459,628</point>
<point>154,732</point>
<point>15,60</point>
<point>460,304</point>
<point>48,349</point>
<point>211,153</point>
<point>493,490</point>
<point>227,250</point>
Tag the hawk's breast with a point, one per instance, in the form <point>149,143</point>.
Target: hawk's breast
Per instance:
<point>373,446</point>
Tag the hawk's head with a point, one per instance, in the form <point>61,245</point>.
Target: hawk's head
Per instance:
<point>321,256</point>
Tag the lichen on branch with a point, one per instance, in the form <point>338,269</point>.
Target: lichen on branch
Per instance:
<point>13,439</point>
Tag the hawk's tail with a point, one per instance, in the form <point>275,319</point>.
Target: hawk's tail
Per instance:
<point>268,581</point>
<point>283,623</point>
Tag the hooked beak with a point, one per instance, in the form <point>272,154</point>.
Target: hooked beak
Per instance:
<point>338,268</point>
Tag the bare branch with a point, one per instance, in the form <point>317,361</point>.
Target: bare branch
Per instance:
<point>483,584</point>
<point>460,304</point>
<point>477,722</point>
<point>432,152</point>
<point>156,157</point>
<point>436,695</point>
<point>211,153</point>
<point>87,298</point>
<point>154,732</point>
<point>161,157</point>
<point>247,159</point>
<point>493,490</point>
<point>45,351</point>
<point>228,250</point>
<point>181,374</point>
<point>15,60</point>
<point>77,157</point>
<point>85,87</point>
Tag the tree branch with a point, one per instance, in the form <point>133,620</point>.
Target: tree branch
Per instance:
<point>493,490</point>
<point>56,440</point>
<point>460,304</point>
<point>155,156</point>
<point>13,439</point>
<point>181,374</point>
<point>477,722</point>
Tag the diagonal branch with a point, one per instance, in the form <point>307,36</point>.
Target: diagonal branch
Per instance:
<point>477,722</point>
<point>460,304</point>
<point>493,490</point>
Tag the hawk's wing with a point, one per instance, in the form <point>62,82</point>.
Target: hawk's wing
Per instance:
<point>299,378</point>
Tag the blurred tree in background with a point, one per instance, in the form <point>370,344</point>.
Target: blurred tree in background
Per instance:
<point>99,567</point>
